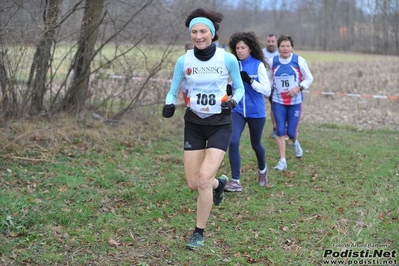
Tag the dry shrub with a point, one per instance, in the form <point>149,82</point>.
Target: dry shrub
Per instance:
<point>42,139</point>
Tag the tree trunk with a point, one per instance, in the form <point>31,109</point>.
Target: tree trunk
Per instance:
<point>385,26</point>
<point>41,60</point>
<point>5,100</point>
<point>8,99</point>
<point>76,95</point>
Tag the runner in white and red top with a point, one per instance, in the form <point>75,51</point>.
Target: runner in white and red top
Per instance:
<point>291,75</point>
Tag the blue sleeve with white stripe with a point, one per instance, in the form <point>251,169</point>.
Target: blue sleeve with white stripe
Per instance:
<point>178,76</point>
<point>234,72</point>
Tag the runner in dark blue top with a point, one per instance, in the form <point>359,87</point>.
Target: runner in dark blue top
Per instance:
<point>251,109</point>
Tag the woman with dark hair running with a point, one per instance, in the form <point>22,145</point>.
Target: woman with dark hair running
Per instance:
<point>207,126</point>
<point>251,110</point>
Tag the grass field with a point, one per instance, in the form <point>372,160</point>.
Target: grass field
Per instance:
<point>110,196</point>
<point>94,193</point>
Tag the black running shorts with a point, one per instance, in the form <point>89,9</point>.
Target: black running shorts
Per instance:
<point>199,137</point>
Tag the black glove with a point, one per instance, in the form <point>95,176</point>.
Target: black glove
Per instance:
<point>229,90</point>
<point>168,110</point>
<point>227,107</point>
<point>246,78</point>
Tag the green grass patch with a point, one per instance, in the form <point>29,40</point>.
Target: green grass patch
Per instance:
<point>120,203</point>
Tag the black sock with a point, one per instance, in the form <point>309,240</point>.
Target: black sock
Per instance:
<point>199,231</point>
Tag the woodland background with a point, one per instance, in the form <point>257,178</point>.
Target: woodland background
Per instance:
<point>107,57</point>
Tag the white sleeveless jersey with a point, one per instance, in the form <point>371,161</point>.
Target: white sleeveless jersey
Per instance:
<point>206,82</point>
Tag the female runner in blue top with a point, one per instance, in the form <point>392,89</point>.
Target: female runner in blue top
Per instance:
<point>251,109</point>
<point>207,126</point>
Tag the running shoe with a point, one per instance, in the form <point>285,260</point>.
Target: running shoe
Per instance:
<point>233,186</point>
<point>196,241</point>
<point>262,178</point>
<point>282,165</point>
<point>218,197</point>
<point>297,149</point>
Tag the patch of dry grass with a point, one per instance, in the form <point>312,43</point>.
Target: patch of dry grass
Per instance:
<point>373,77</point>
<point>44,138</point>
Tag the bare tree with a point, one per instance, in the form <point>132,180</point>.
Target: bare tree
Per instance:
<point>120,54</point>
<point>9,97</point>
<point>93,14</point>
<point>41,59</point>
<point>395,25</point>
<point>384,25</point>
